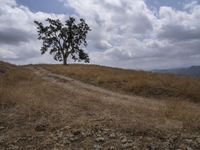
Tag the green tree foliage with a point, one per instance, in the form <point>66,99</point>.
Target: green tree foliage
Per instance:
<point>64,40</point>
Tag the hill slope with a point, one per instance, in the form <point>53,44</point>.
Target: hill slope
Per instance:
<point>132,82</point>
<point>44,110</point>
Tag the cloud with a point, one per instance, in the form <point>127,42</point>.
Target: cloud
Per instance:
<point>191,5</point>
<point>8,2</point>
<point>18,35</point>
<point>125,33</point>
<point>14,36</point>
<point>6,54</point>
<point>179,25</point>
<point>141,38</point>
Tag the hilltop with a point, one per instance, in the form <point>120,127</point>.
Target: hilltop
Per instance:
<point>132,82</point>
<point>96,107</point>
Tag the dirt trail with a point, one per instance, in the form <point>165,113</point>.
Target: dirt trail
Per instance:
<point>81,88</point>
<point>106,97</point>
<point>70,114</point>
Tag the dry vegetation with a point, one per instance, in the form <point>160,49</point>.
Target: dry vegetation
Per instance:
<point>133,82</point>
<point>33,111</point>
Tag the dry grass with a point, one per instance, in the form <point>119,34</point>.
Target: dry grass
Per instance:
<point>133,82</point>
<point>29,98</point>
<point>27,101</point>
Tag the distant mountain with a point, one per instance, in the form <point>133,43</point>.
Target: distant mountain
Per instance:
<point>191,71</point>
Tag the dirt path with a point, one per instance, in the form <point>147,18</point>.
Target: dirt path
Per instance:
<point>81,88</point>
<point>64,113</point>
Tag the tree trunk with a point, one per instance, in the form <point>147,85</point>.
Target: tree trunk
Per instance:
<point>64,60</point>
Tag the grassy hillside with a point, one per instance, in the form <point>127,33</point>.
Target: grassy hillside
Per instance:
<point>32,109</point>
<point>133,82</point>
<point>39,114</point>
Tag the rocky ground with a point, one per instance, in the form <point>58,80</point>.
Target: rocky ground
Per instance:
<point>97,137</point>
<point>54,112</point>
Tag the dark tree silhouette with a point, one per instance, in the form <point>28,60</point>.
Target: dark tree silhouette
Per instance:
<point>64,40</point>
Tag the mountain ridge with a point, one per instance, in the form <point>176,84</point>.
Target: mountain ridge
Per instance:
<point>193,71</point>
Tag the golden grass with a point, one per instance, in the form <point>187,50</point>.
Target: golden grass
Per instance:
<point>27,101</point>
<point>133,82</point>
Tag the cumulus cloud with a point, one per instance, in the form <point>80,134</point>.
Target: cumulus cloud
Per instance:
<point>18,36</point>
<point>14,36</point>
<point>5,53</point>
<point>191,5</point>
<point>179,25</point>
<point>8,2</point>
<point>125,33</point>
<point>139,37</point>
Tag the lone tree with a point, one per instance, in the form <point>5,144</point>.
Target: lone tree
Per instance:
<point>64,40</point>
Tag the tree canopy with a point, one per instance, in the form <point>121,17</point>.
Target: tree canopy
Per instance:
<point>64,40</point>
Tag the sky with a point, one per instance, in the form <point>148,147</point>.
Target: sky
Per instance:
<point>135,34</point>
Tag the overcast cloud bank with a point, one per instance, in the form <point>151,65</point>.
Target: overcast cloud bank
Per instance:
<point>125,33</point>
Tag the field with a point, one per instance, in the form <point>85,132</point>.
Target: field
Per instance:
<point>132,82</point>
<point>48,107</point>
